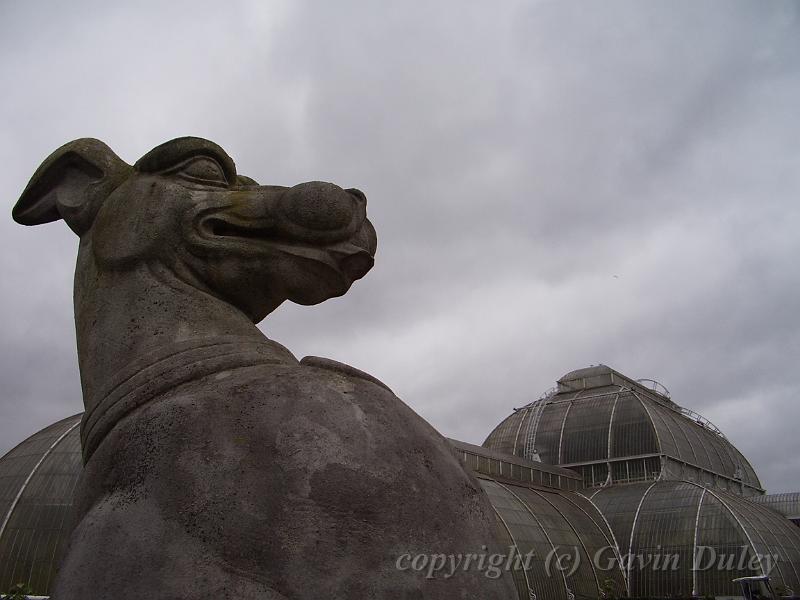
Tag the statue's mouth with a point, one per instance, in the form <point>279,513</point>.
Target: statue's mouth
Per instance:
<point>219,227</point>
<point>352,257</point>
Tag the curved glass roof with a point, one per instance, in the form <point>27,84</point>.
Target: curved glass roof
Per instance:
<point>540,517</point>
<point>597,414</point>
<point>555,528</point>
<point>37,480</point>
<point>787,504</point>
<point>679,521</point>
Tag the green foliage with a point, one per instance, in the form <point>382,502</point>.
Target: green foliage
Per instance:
<point>607,590</point>
<point>18,592</point>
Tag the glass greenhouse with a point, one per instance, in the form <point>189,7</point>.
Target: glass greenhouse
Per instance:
<point>603,483</point>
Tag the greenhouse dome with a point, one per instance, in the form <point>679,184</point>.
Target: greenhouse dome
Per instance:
<point>613,429</point>
<point>37,480</point>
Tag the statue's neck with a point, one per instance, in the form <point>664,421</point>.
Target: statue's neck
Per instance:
<point>128,320</point>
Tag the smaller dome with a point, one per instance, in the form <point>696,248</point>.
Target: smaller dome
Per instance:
<point>679,521</point>
<point>37,480</point>
<point>597,419</point>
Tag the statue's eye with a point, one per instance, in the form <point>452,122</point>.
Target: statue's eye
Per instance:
<point>202,169</point>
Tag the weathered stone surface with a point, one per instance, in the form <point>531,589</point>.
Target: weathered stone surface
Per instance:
<point>217,464</point>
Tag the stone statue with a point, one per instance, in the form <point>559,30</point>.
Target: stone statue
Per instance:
<point>216,463</point>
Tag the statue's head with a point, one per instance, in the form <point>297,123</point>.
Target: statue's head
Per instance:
<point>184,206</point>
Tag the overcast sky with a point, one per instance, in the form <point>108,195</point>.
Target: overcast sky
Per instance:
<point>554,185</point>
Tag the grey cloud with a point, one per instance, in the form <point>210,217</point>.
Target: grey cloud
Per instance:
<point>554,184</point>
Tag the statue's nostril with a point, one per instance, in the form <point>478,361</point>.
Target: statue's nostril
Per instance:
<point>357,265</point>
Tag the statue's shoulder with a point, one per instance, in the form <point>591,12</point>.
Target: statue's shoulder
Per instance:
<point>318,362</point>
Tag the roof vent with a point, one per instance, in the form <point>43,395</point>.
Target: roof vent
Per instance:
<point>654,386</point>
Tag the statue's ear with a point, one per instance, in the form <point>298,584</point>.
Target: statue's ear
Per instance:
<point>71,184</point>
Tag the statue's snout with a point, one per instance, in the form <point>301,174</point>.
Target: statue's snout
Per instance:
<point>357,264</point>
<point>317,214</point>
<point>318,207</point>
<point>323,211</point>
